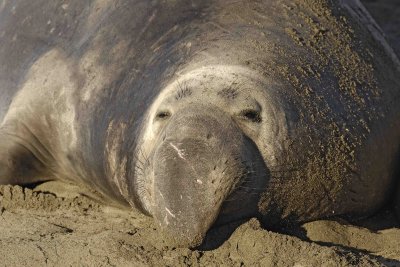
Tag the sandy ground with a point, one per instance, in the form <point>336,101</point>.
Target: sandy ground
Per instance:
<point>57,224</point>
<point>39,228</point>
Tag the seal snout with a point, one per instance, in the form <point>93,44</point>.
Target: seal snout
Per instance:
<point>194,171</point>
<point>183,191</point>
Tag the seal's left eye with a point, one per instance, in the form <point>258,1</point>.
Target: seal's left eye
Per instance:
<point>162,115</point>
<point>251,115</point>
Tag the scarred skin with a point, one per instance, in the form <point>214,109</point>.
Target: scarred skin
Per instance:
<point>202,112</point>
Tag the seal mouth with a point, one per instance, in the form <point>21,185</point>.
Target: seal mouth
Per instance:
<point>233,212</point>
<point>239,207</point>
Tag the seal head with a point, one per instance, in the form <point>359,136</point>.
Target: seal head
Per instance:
<point>203,164</point>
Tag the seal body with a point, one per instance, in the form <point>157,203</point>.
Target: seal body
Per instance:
<point>202,112</point>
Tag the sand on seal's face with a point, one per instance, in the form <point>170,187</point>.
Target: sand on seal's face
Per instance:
<point>62,227</point>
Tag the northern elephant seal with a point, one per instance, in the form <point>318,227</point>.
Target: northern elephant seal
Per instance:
<point>202,112</point>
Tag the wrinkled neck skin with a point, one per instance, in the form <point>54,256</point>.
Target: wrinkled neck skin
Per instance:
<point>201,158</point>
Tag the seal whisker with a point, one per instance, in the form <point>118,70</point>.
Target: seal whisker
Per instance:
<point>146,159</point>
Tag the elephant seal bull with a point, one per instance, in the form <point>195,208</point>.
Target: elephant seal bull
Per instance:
<point>202,112</point>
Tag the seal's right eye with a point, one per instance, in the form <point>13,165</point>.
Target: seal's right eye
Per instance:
<point>162,115</point>
<point>251,115</point>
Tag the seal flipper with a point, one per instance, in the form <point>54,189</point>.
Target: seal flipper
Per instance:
<point>18,163</point>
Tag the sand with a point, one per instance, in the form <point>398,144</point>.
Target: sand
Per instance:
<point>64,228</point>
<point>58,224</point>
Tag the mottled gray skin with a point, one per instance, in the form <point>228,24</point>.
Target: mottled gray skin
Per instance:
<point>202,112</point>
